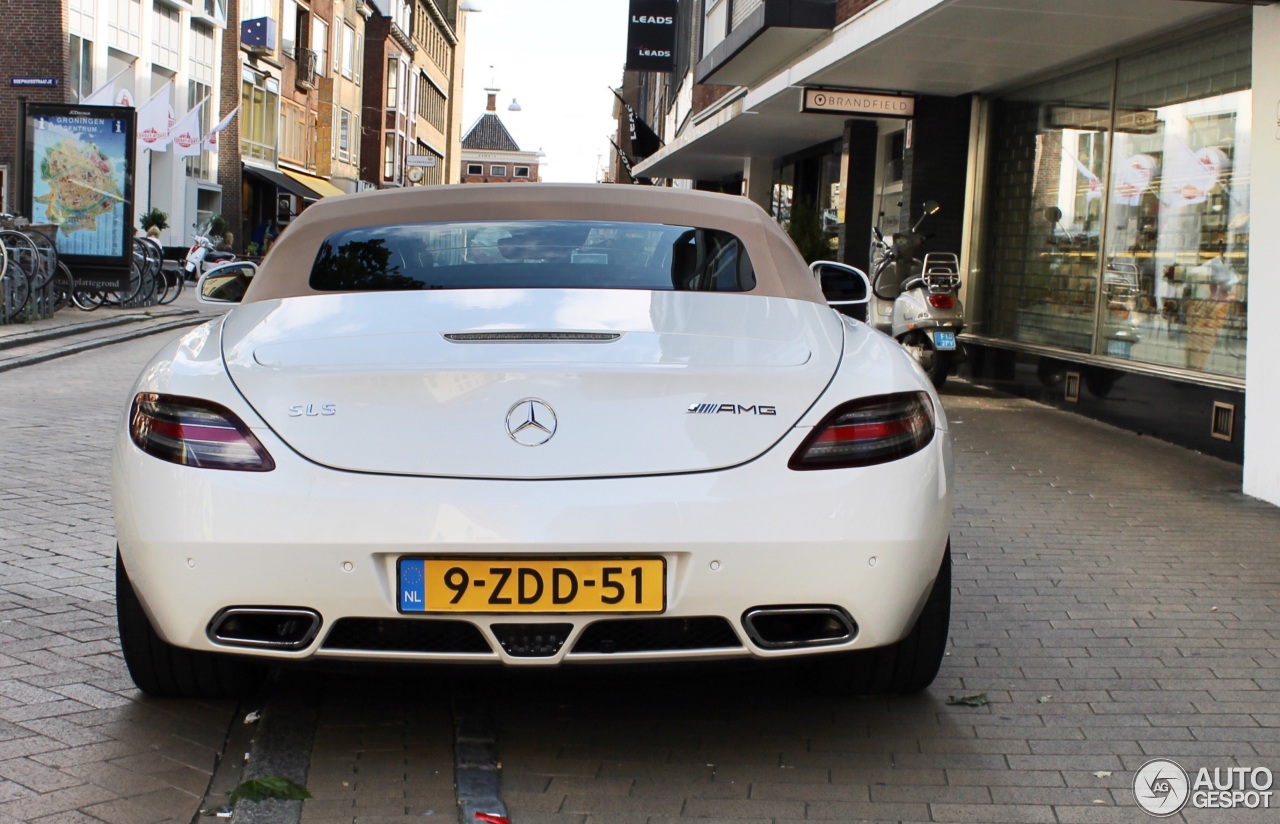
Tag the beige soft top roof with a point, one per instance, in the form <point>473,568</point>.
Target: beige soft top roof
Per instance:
<point>780,271</point>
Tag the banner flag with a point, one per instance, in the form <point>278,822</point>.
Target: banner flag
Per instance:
<point>155,121</point>
<point>187,139</point>
<point>211,139</point>
<point>104,95</point>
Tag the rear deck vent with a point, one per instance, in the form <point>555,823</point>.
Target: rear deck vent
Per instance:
<point>1224,420</point>
<point>406,635</point>
<point>1072,391</point>
<point>657,635</point>
<point>532,337</point>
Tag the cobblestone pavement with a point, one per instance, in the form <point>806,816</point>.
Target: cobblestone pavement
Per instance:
<point>1115,601</point>
<point>78,743</point>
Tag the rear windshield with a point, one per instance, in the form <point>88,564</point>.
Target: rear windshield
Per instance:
<point>540,254</point>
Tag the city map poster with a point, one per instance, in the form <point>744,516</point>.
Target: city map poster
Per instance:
<point>79,177</point>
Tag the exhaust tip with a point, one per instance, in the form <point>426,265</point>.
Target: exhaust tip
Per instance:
<point>791,627</point>
<point>279,628</point>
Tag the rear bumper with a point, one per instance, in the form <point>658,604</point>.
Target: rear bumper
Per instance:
<point>866,541</point>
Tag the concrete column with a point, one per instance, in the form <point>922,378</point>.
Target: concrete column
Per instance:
<point>937,163</point>
<point>858,189</point>
<point>1262,370</point>
<point>757,176</point>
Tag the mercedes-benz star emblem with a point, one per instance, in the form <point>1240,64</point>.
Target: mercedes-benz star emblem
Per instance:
<point>531,422</point>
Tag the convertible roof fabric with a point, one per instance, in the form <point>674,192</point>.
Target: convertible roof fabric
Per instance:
<point>780,271</point>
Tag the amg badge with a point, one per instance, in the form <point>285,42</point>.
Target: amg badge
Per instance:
<point>730,408</point>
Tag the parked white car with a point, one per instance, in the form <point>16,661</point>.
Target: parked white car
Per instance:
<point>531,424</point>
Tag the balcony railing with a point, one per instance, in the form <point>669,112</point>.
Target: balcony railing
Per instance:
<point>306,77</point>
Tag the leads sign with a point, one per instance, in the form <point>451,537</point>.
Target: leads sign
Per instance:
<point>866,104</point>
<point>651,36</point>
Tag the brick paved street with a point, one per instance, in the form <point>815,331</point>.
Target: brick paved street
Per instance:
<point>1116,601</point>
<point>77,742</point>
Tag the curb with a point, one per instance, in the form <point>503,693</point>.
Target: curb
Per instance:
<point>71,329</point>
<point>140,330</point>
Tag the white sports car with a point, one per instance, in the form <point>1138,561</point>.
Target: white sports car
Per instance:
<point>535,425</point>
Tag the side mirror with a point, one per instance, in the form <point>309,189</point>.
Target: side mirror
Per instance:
<point>846,288</point>
<point>226,283</point>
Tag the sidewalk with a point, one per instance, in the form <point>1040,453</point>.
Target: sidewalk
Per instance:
<point>71,330</point>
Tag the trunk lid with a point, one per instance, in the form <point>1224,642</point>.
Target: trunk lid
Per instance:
<point>531,383</point>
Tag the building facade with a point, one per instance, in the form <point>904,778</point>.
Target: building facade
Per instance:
<point>142,49</point>
<point>413,93</point>
<point>1095,163</point>
<point>491,155</point>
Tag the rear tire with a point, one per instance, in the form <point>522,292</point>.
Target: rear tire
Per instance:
<point>158,668</point>
<point>902,668</point>
<point>941,368</point>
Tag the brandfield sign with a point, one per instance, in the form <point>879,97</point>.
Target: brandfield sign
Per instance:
<point>651,36</point>
<point>855,103</point>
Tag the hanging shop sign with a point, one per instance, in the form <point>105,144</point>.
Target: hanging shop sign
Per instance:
<point>1098,119</point>
<point>856,103</point>
<point>651,36</point>
<point>78,176</point>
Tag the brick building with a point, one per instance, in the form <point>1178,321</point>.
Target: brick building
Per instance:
<point>33,40</point>
<point>491,155</point>
<point>413,93</point>
<point>142,49</point>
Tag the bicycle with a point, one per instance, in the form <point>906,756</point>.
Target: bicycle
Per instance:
<point>30,255</point>
<point>12,296</point>
<point>22,263</point>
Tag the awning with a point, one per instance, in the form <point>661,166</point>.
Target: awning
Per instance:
<point>275,178</point>
<point>317,184</point>
<point>930,47</point>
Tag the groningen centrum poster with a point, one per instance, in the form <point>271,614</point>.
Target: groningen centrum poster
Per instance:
<point>80,178</point>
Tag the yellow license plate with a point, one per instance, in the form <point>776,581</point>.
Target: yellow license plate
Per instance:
<point>546,585</point>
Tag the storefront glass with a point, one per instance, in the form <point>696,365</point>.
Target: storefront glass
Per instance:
<point>1123,230</point>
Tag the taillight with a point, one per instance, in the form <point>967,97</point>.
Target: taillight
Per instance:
<point>942,301</point>
<point>868,431</point>
<point>195,432</point>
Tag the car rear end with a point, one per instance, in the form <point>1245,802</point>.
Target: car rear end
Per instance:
<point>598,452</point>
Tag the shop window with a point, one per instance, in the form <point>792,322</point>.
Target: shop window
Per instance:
<point>1123,232</point>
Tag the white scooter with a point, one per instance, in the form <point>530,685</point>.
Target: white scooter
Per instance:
<point>915,302</point>
<point>203,255</point>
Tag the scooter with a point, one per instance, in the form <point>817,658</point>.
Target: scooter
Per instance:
<point>915,302</point>
<point>203,255</point>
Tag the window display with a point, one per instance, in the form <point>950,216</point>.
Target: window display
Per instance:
<point>1121,229</point>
